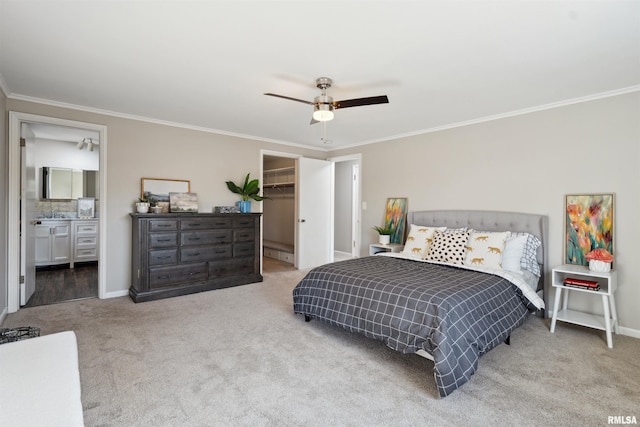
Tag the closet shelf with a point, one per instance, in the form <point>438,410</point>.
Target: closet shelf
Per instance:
<point>279,178</point>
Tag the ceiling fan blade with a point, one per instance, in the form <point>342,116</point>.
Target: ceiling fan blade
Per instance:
<point>357,102</point>
<point>313,121</point>
<point>289,98</point>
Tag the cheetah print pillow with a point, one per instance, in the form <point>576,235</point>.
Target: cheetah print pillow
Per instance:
<point>418,240</point>
<point>485,249</point>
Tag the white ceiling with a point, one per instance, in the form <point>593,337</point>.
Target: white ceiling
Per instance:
<point>206,64</point>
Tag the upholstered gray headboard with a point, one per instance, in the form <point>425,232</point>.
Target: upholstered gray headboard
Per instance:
<point>489,221</point>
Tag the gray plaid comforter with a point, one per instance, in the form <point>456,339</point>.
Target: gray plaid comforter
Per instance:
<point>455,315</point>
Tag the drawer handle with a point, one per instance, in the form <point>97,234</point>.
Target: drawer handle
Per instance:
<point>196,254</point>
<point>168,276</point>
<point>193,273</point>
<point>194,238</point>
<point>165,225</point>
<point>164,257</point>
<point>219,237</point>
<point>221,252</point>
<point>194,225</point>
<point>221,223</point>
<point>164,240</point>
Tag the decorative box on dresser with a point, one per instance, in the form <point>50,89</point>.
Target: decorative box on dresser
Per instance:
<point>178,254</point>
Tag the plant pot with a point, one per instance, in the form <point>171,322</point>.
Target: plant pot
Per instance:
<point>142,207</point>
<point>384,239</point>
<point>244,206</point>
<point>599,266</point>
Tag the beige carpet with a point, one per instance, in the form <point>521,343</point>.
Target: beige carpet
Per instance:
<point>239,356</point>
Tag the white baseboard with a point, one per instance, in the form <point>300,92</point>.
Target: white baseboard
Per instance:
<point>629,332</point>
<point>116,294</point>
<point>3,315</point>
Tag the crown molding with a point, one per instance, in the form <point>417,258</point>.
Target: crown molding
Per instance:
<point>327,148</point>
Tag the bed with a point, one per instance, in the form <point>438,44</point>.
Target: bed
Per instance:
<point>442,297</point>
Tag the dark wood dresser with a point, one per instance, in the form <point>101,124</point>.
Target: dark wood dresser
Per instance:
<point>179,254</point>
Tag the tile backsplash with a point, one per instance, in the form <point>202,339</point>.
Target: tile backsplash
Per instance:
<point>61,208</point>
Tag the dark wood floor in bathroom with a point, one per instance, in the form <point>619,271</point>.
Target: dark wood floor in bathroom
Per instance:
<point>60,283</point>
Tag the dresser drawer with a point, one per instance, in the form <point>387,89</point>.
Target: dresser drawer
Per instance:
<point>234,267</point>
<point>163,225</point>
<point>205,253</point>
<point>163,240</point>
<point>212,237</point>
<point>85,228</point>
<point>243,235</point>
<point>243,250</point>
<point>205,223</point>
<point>244,222</point>
<point>165,276</point>
<point>164,257</point>
<point>86,240</point>
<point>86,253</point>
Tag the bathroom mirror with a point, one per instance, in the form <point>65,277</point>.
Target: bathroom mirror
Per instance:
<point>65,184</point>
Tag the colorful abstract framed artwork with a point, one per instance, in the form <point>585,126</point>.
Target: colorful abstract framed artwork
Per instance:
<point>395,218</point>
<point>588,225</point>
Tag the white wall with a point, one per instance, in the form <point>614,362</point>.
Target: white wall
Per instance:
<point>524,164</point>
<point>4,153</point>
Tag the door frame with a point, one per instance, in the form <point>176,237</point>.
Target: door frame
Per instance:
<point>273,153</point>
<point>13,216</point>
<point>356,202</point>
<point>356,229</point>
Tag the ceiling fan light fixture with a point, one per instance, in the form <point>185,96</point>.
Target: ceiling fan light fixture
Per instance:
<point>323,112</point>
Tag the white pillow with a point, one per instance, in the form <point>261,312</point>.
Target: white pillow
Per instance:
<point>418,240</point>
<point>485,249</point>
<point>513,251</point>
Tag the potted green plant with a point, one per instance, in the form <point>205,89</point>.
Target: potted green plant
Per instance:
<point>384,234</point>
<point>248,191</point>
<point>142,205</point>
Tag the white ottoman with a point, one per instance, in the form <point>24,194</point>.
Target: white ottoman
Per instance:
<point>40,382</point>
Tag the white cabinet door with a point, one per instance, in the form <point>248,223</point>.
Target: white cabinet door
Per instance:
<point>42,244</point>
<point>52,242</point>
<point>61,243</point>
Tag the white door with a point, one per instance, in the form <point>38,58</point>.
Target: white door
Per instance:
<point>28,213</point>
<point>314,227</point>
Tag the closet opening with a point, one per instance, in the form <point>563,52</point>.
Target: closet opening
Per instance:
<point>278,213</point>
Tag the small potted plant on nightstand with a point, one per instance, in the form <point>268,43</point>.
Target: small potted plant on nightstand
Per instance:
<point>384,234</point>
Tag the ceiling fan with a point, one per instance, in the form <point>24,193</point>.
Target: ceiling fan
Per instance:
<point>323,105</point>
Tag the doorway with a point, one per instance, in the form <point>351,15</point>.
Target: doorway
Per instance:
<point>280,212</point>
<point>60,169</point>
<point>23,214</point>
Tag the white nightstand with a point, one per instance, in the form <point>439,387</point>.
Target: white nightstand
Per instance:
<point>374,248</point>
<point>608,284</point>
